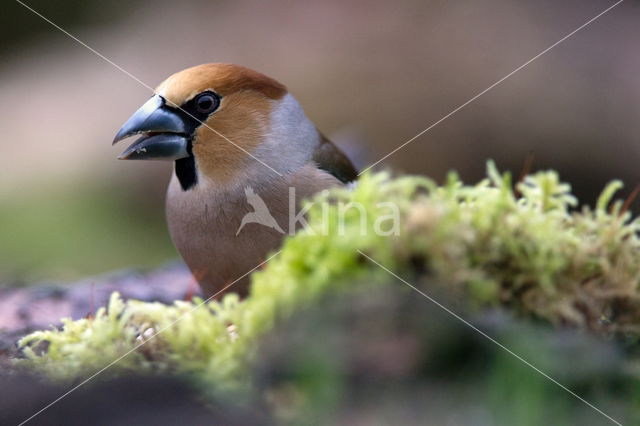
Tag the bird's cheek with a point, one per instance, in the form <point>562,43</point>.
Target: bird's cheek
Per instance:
<point>215,158</point>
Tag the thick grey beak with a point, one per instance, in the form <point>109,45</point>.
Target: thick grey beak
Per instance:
<point>162,146</point>
<point>165,133</point>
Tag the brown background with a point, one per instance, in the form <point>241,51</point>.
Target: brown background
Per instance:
<point>371,74</point>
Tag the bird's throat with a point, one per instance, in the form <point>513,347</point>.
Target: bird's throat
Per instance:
<point>186,172</point>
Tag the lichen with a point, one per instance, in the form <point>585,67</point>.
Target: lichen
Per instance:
<point>522,246</point>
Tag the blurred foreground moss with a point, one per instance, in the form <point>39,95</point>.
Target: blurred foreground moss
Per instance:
<point>479,246</point>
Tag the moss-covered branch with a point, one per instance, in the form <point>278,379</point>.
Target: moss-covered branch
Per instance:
<point>483,243</point>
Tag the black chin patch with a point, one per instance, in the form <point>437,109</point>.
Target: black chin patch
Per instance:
<point>186,167</point>
<point>186,172</point>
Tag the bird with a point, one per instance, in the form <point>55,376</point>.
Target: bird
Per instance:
<point>260,213</point>
<point>228,128</point>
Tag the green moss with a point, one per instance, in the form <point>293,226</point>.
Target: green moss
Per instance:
<point>485,244</point>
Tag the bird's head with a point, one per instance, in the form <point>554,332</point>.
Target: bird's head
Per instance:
<point>219,121</point>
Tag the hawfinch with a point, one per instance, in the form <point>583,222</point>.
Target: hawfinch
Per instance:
<point>241,144</point>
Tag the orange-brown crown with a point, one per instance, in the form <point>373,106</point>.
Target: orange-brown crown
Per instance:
<point>224,79</point>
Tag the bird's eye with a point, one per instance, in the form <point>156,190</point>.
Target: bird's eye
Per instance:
<point>206,103</point>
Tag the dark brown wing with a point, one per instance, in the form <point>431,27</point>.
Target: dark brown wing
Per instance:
<point>332,160</point>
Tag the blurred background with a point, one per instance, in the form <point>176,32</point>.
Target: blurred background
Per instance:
<point>370,74</point>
